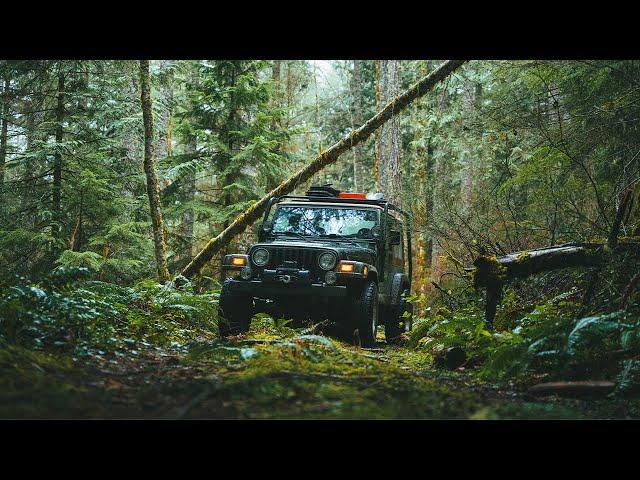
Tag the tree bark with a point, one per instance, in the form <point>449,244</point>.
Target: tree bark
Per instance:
<point>188,216</point>
<point>275,75</point>
<point>468,106</point>
<point>163,123</point>
<point>356,94</point>
<point>388,142</point>
<point>437,203</point>
<point>227,137</point>
<point>153,190</point>
<point>327,157</point>
<point>57,159</point>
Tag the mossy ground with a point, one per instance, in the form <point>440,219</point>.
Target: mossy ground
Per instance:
<point>270,373</point>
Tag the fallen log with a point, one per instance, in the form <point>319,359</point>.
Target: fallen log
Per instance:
<point>490,270</point>
<point>586,388</point>
<point>493,272</point>
<point>327,157</point>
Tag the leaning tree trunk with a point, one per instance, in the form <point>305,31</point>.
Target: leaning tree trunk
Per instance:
<point>153,190</point>
<point>327,157</point>
<point>388,141</point>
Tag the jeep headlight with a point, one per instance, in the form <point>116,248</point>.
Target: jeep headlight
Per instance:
<point>327,261</point>
<point>260,256</point>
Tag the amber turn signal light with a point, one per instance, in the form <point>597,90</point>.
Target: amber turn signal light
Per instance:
<point>346,268</point>
<point>238,261</point>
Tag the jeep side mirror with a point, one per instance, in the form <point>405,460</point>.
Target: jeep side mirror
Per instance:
<point>394,237</point>
<point>375,231</point>
<point>263,230</point>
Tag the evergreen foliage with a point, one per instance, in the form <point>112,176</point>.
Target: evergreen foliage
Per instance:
<point>503,156</point>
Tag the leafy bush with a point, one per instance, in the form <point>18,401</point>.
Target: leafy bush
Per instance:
<point>89,260</point>
<point>547,338</point>
<point>463,328</point>
<point>67,312</point>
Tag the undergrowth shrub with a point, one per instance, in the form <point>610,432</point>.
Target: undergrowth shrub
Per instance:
<point>549,339</point>
<point>66,311</point>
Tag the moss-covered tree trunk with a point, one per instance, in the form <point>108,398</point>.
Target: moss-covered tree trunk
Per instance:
<point>153,190</point>
<point>437,204</point>
<point>327,157</point>
<point>388,138</point>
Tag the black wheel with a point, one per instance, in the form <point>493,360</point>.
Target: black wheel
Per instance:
<point>395,323</point>
<point>234,311</point>
<point>366,314</point>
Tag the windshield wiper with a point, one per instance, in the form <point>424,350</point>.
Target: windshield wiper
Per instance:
<point>342,237</point>
<point>299,235</point>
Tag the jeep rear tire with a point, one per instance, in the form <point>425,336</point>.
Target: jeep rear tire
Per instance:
<point>366,315</point>
<point>395,323</point>
<point>234,311</point>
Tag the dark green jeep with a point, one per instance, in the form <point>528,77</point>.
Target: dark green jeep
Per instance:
<point>327,255</point>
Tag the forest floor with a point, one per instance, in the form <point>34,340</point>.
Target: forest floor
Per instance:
<point>269,373</point>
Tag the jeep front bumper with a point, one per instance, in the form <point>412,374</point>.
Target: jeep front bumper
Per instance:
<point>278,288</point>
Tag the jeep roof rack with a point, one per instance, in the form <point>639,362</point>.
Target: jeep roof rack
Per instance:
<point>327,193</point>
<point>325,190</point>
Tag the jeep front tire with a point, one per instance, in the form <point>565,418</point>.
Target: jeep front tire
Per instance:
<point>366,314</point>
<point>234,311</point>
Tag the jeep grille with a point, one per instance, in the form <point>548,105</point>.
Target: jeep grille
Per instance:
<point>305,258</point>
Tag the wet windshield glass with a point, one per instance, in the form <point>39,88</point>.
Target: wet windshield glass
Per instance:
<point>325,221</point>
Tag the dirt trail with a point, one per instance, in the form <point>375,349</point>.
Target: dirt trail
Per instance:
<point>264,376</point>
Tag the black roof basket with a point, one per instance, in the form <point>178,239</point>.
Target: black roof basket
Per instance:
<point>324,191</point>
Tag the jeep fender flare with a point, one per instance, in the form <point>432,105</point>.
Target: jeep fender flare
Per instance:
<point>373,273</point>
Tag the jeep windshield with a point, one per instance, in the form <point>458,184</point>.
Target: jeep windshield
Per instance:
<point>324,221</point>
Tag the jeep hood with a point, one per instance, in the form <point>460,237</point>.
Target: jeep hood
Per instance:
<point>345,250</point>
